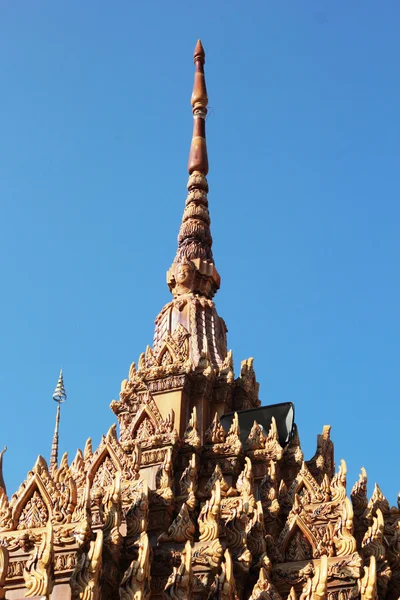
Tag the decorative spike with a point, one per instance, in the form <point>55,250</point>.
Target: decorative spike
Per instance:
<point>88,452</point>
<point>198,160</point>
<point>112,433</point>
<point>193,270</point>
<point>59,396</point>
<point>40,465</point>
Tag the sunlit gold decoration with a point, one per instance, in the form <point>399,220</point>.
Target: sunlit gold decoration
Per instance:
<point>135,584</point>
<point>85,577</point>
<point>179,584</point>
<point>191,435</point>
<point>39,565</point>
<point>172,505</point>
<point>209,516</point>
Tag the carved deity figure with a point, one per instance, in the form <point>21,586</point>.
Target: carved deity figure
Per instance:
<point>184,278</point>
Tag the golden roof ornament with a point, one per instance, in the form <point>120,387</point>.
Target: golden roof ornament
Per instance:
<point>172,505</point>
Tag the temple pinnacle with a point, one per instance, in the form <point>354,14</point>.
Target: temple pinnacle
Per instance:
<point>198,160</point>
<point>193,270</point>
<point>59,396</point>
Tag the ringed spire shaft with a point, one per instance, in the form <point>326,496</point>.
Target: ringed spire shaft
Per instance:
<point>59,396</point>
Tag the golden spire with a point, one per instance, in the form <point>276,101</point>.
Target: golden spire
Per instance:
<point>59,396</point>
<point>194,239</point>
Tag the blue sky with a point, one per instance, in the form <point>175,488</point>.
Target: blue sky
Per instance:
<point>303,140</point>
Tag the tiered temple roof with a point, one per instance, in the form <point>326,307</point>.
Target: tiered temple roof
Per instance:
<point>176,506</point>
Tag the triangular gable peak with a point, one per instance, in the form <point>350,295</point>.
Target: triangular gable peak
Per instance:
<point>32,505</point>
<point>305,484</point>
<point>297,523</point>
<point>110,457</point>
<point>148,421</point>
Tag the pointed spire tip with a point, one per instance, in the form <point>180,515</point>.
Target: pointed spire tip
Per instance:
<point>199,53</point>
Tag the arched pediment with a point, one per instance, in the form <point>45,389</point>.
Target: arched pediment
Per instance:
<point>108,459</point>
<point>146,424</point>
<point>103,467</point>
<point>33,506</point>
<point>297,528</point>
<point>306,485</point>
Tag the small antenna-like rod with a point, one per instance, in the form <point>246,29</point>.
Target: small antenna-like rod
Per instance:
<point>2,482</point>
<point>59,396</point>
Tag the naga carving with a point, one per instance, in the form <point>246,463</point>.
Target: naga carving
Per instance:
<point>179,584</point>
<point>173,505</point>
<point>85,577</point>
<point>135,584</point>
<point>38,570</point>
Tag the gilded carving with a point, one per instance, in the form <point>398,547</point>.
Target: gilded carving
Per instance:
<point>152,514</point>
<point>181,529</point>
<point>224,586</point>
<point>135,584</point>
<point>368,584</point>
<point>85,577</point>
<point>191,436</point>
<point>38,570</point>
<point>4,562</point>
<point>264,588</point>
<point>189,483</point>
<point>215,434</point>
<point>226,490</point>
<point>209,515</point>
<point>179,584</point>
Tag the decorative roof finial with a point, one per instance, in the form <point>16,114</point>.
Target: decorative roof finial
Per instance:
<point>198,160</point>
<point>193,270</point>
<point>59,396</point>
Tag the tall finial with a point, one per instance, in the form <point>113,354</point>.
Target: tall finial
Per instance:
<point>59,396</point>
<point>198,160</point>
<point>193,269</point>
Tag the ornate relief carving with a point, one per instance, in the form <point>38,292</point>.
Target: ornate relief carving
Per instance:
<point>34,514</point>
<point>247,387</point>
<point>322,463</point>
<point>215,434</point>
<point>191,436</point>
<point>226,490</point>
<point>209,515</point>
<point>179,584</point>
<point>135,584</point>
<point>189,483</point>
<point>98,520</point>
<point>181,529</point>
<point>38,570</point>
<point>85,578</point>
<point>264,588</point>
<point>368,585</point>
<point>317,587</point>
<point>4,561</point>
<point>224,587</point>
<point>262,447</point>
<point>137,511</point>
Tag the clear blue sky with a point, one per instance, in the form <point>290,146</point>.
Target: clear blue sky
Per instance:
<point>303,141</point>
